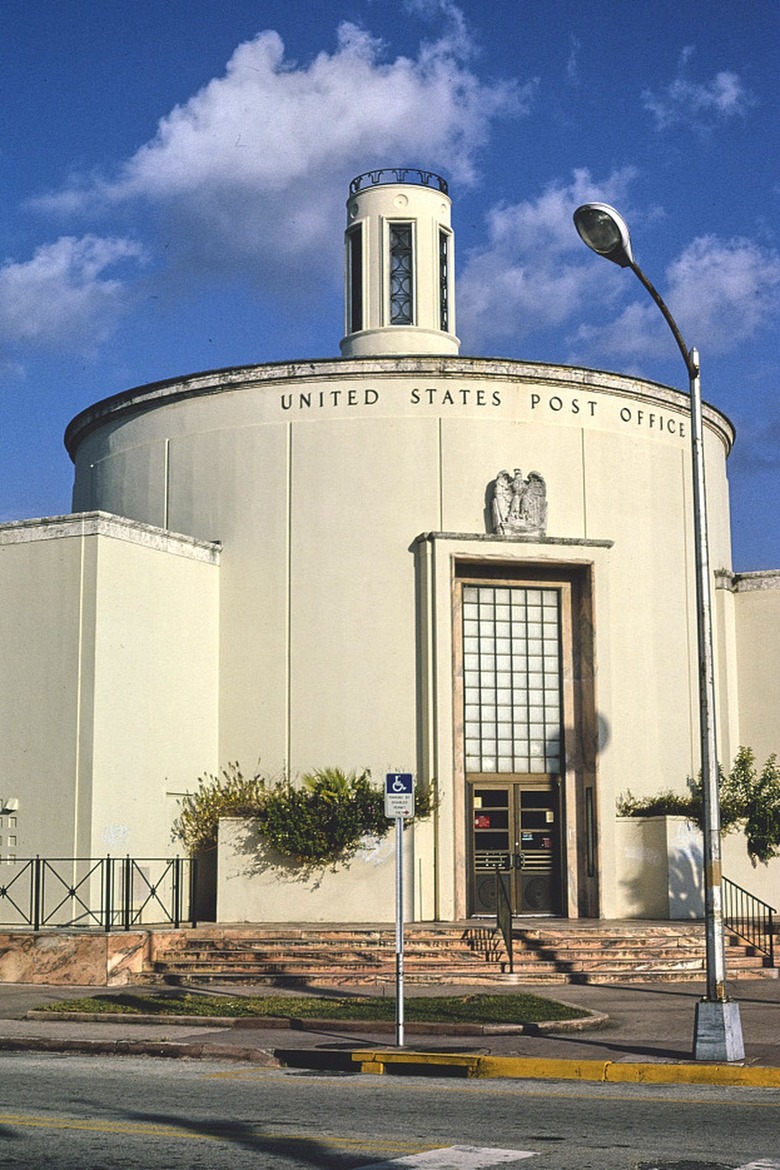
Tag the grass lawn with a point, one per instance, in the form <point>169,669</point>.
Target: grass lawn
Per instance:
<point>517,1008</point>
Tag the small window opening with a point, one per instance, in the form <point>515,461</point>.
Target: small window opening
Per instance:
<point>355,269</point>
<point>444,282</point>
<point>401,275</point>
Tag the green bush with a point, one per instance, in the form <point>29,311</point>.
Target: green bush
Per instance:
<point>231,794</point>
<point>749,801</point>
<point>320,821</point>
<point>664,804</point>
<point>325,820</point>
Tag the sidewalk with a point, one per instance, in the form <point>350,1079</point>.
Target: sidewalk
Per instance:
<point>646,1036</point>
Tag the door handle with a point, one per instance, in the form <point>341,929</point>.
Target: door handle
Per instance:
<point>519,860</point>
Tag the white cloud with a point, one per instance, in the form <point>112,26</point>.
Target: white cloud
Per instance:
<point>721,293</point>
<point>255,166</point>
<point>532,274</point>
<point>698,105</point>
<point>759,446</point>
<point>727,289</point>
<point>62,296</point>
<point>535,275</point>
<point>573,64</point>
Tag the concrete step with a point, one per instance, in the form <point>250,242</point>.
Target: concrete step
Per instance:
<point>572,953</point>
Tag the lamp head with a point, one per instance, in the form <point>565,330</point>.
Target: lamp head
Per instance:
<point>605,232</point>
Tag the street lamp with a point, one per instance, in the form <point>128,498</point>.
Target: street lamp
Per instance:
<point>717,1030</point>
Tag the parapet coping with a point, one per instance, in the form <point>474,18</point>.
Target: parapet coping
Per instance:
<point>80,524</point>
<point>759,580</point>
<point>518,538</point>
<point>243,378</point>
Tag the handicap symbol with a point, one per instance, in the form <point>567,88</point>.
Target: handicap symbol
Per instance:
<point>398,785</point>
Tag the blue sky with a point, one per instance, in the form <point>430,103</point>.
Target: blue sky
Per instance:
<point>174,175</point>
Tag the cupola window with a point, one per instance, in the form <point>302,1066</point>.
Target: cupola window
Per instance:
<point>444,281</point>
<point>355,276</point>
<point>401,274</point>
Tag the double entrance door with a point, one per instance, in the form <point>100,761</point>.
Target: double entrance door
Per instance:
<point>515,827</point>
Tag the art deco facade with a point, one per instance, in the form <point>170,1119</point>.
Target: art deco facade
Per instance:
<point>478,570</point>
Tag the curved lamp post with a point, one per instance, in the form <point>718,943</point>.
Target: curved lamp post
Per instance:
<point>717,1030</point>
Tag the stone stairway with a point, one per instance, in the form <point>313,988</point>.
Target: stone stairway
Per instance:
<point>300,955</point>
<point>544,951</point>
<point>588,952</point>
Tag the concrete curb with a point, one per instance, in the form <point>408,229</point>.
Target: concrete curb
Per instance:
<point>410,1063</point>
<point>169,1048</point>
<point>304,1024</point>
<point>536,1068</point>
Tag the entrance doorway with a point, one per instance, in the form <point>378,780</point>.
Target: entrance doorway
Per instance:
<point>515,827</point>
<point>525,738</point>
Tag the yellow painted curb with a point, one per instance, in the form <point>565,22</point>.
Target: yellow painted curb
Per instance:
<point>534,1068</point>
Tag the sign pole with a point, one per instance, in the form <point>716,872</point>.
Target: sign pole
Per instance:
<point>399,932</point>
<point>399,803</point>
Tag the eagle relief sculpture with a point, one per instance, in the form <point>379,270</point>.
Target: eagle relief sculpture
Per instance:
<point>519,506</point>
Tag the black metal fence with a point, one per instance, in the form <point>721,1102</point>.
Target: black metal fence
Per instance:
<point>105,893</point>
<point>750,918</point>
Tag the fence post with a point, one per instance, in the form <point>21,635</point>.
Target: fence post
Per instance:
<point>176,892</point>
<point>193,915</point>
<point>127,892</point>
<point>36,893</point>
<point>106,886</point>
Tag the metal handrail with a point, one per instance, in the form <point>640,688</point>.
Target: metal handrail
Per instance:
<point>750,918</point>
<point>107,893</point>
<point>504,916</point>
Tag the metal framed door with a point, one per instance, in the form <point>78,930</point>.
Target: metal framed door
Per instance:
<point>515,826</point>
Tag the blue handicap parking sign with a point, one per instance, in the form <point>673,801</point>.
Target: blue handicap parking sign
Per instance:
<point>399,794</point>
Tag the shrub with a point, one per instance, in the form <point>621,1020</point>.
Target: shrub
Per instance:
<point>231,794</point>
<point>664,804</point>
<point>749,801</point>
<point>325,820</point>
<point>320,821</point>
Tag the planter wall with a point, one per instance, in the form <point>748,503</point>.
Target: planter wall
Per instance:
<point>256,885</point>
<point>659,867</point>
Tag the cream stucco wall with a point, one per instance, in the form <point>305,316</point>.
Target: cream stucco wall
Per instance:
<point>45,636</point>
<point>109,703</point>
<point>319,477</point>
<point>255,886</point>
<point>659,871</point>
<point>757,607</point>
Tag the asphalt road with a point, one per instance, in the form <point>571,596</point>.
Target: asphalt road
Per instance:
<point>95,1113</point>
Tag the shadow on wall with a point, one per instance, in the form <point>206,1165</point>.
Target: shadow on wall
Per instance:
<point>685,870</point>
<point>260,859</point>
<point>257,884</point>
<point>660,868</point>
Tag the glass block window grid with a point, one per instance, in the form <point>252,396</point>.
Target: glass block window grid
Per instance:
<point>401,275</point>
<point>512,679</point>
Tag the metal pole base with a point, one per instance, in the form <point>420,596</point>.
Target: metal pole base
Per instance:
<point>718,1032</point>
